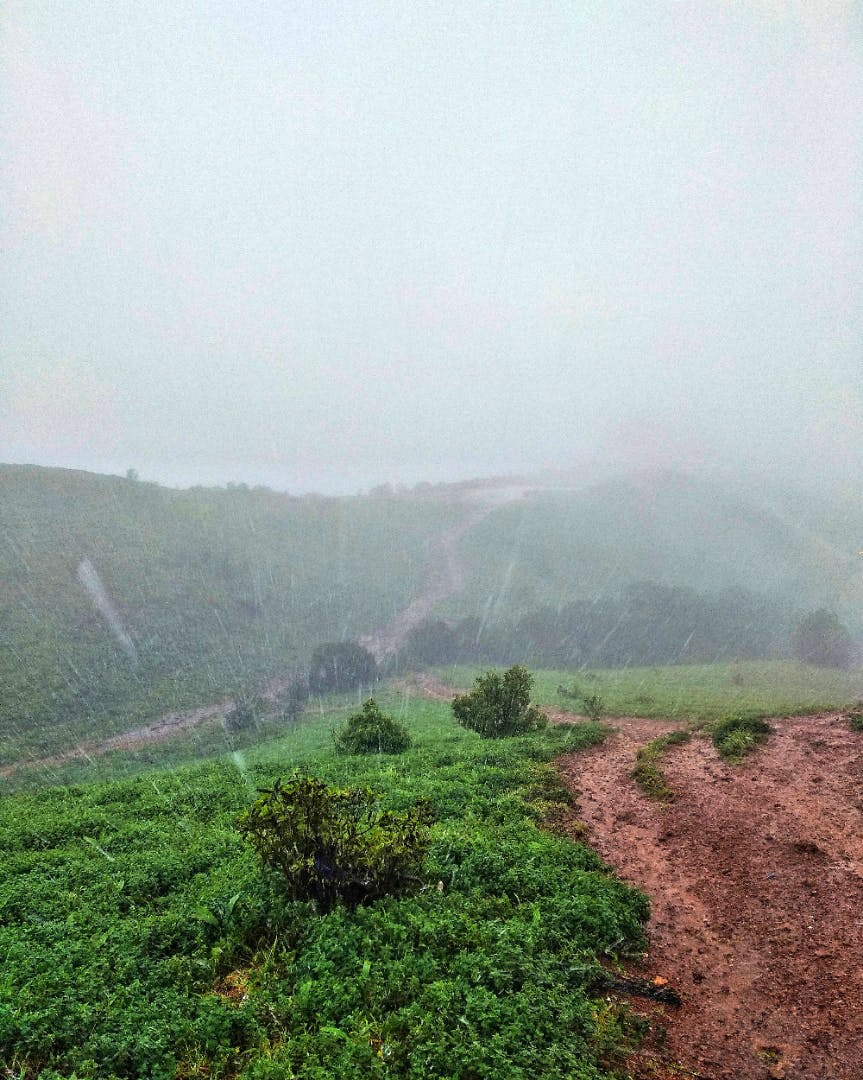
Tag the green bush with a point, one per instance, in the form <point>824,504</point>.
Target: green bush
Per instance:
<point>372,732</point>
<point>332,844</point>
<point>499,705</point>
<point>739,734</point>
<point>339,666</point>
<point>821,639</point>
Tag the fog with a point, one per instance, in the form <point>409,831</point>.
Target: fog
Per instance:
<point>327,246</point>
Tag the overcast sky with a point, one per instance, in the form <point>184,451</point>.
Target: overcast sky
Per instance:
<point>328,245</point>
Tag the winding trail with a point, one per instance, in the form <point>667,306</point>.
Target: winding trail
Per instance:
<point>445,579</point>
<point>755,874</point>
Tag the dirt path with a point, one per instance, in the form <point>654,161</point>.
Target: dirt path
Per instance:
<point>446,578</point>
<point>755,874</point>
<point>164,727</point>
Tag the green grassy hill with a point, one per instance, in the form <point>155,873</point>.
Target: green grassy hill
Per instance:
<point>139,937</point>
<point>216,589</point>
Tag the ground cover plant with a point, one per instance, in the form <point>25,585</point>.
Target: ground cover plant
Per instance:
<point>737,735</point>
<point>139,936</point>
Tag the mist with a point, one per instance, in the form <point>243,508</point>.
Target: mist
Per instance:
<point>324,246</point>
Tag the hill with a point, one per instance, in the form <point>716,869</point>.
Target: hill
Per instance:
<point>122,600</point>
<point>213,590</point>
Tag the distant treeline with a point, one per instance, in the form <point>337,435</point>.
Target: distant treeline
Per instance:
<point>646,623</point>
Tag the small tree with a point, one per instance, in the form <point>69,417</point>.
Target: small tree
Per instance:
<point>499,705</point>
<point>821,639</point>
<point>372,732</point>
<point>332,844</point>
<point>294,696</point>
<point>339,666</point>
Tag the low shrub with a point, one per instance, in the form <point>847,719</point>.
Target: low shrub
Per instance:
<point>593,706</point>
<point>372,732</point>
<point>499,705</point>
<point>332,844</point>
<point>738,735</point>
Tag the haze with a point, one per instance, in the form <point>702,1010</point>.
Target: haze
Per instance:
<point>325,246</point>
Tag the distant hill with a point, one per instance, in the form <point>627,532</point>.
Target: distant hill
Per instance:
<point>672,529</point>
<point>212,590</point>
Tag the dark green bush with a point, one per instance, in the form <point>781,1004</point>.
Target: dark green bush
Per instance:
<point>339,666</point>
<point>499,705</point>
<point>372,732</point>
<point>821,639</point>
<point>334,844</point>
<point>739,734</point>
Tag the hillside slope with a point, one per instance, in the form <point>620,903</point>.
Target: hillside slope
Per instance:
<point>669,528</point>
<point>212,590</point>
<point>122,600</point>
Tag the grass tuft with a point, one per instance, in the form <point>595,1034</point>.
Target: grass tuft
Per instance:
<point>647,773</point>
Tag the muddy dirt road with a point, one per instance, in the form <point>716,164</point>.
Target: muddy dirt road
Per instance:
<point>755,874</point>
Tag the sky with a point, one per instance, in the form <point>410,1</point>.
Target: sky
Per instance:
<point>325,246</point>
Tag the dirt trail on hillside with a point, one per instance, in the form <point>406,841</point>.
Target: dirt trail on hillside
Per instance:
<point>166,726</point>
<point>755,874</point>
<point>445,579</point>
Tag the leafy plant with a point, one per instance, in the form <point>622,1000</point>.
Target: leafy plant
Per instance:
<point>593,706</point>
<point>499,705</point>
<point>332,844</point>
<point>855,717</point>
<point>372,732</point>
<point>739,734</point>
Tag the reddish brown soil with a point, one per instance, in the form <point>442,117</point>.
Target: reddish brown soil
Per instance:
<point>755,874</point>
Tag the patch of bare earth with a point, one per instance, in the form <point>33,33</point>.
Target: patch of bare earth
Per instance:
<point>755,875</point>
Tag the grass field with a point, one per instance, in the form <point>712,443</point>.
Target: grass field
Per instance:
<point>694,692</point>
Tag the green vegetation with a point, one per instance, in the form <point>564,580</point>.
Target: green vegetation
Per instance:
<point>499,705</point>
<point>332,844</point>
<point>761,548</point>
<point>821,639</point>
<point>340,666</point>
<point>372,732</point>
<point>697,691</point>
<point>213,587</point>
<point>140,938</point>
<point>737,735</point>
<point>647,772</point>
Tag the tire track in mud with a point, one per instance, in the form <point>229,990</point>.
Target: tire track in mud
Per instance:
<point>755,875</point>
